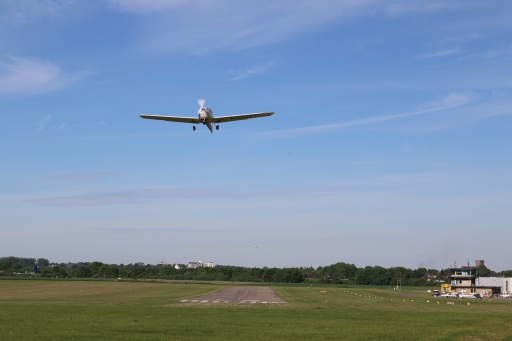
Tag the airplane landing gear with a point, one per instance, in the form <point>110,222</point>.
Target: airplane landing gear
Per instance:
<point>194,127</point>
<point>217,127</point>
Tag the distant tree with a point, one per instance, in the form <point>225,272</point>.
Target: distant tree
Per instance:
<point>399,273</point>
<point>374,275</point>
<point>94,267</point>
<point>269,274</point>
<point>43,262</point>
<point>165,271</point>
<point>419,273</point>
<point>59,271</point>
<point>108,271</point>
<point>506,273</point>
<point>483,271</point>
<point>83,272</point>
<point>24,262</point>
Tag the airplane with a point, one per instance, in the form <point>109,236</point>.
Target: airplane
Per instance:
<point>257,246</point>
<point>205,116</point>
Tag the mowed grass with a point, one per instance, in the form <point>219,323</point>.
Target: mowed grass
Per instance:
<point>89,310</point>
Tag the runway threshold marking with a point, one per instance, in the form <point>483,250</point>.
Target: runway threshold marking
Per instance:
<point>241,302</point>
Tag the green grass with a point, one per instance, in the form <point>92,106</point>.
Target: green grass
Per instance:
<point>89,310</point>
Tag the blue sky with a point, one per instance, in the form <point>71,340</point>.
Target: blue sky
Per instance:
<point>390,144</point>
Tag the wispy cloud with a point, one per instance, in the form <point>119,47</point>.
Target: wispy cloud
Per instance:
<point>172,26</point>
<point>84,177</point>
<point>453,110</point>
<point>149,195</point>
<point>145,6</point>
<point>442,53</point>
<point>136,196</point>
<point>42,123</point>
<point>363,121</point>
<point>25,9</point>
<point>398,8</point>
<point>252,71</point>
<point>157,230</point>
<point>59,128</point>
<point>452,100</point>
<point>31,76</point>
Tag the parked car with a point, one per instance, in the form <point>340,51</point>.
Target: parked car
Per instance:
<point>470,296</point>
<point>450,295</point>
<point>436,293</point>
<point>506,295</point>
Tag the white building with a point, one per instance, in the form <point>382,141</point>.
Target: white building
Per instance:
<point>200,264</point>
<point>505,283</point>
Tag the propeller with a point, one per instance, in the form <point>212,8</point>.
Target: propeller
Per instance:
<point>201,102</point>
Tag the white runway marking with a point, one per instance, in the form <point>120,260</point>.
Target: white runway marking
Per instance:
<point>244,301</point>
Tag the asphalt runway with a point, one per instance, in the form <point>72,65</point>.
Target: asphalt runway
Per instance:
<point>249,295</point>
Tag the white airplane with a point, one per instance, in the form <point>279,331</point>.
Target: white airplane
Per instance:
<point>257,246</point>
<point>205,116</point>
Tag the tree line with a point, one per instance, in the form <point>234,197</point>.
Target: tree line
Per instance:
<point>338,273</point>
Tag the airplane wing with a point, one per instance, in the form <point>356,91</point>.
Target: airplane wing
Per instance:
<point>193,120</point>
<point>223,119</point>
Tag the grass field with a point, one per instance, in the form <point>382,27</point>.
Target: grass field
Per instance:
<point>97,310</point>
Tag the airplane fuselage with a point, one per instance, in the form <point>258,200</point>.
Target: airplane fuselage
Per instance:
<point>205,115</point>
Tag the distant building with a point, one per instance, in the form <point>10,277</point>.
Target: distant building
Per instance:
<point>193,265</point>
<point>200,264</point>
<point>503,283</point>
<point>479,262</point>
<point>463,281</point>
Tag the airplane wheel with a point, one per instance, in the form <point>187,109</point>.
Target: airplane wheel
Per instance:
<point>217,127</point>
<point>194,127</point>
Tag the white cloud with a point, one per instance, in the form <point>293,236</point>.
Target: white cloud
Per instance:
<point>404,7</point>
<point>84,177</point>
<point>450,111</point>
<point>31,76</point>
<point>357,122</point>
<point>135,196</point>
<point>252,71</point>
<point>442,53</point>
<point>145,6</point>
<point>203,26</point>
<point>59,128</point>
<point>42,123</point>
<point>26,9</point>
<point>450,101</point>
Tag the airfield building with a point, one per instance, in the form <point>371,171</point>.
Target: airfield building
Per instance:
<point>503,283</point>
<point>464,280</point>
